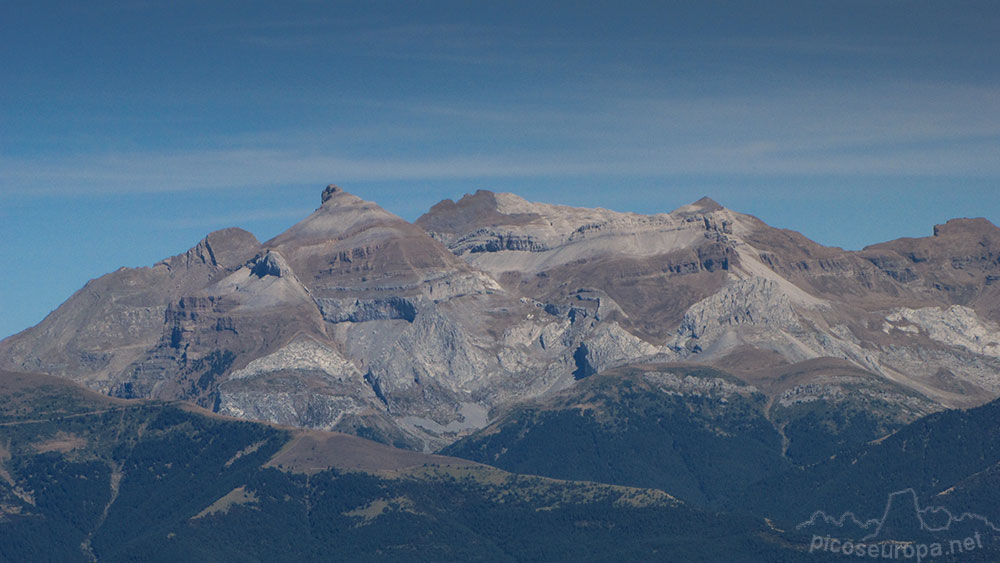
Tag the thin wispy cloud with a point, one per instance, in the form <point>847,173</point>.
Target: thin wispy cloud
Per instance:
<point>230,169</point>
<point>436,41</point>
<point>242,218</point>
<point>891,128</point>
<point>826,45</point>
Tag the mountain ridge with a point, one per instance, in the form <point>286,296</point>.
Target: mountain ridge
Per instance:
<point>422,330</point>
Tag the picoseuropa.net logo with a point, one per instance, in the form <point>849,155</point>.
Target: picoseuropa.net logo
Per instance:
<point>905,531</point>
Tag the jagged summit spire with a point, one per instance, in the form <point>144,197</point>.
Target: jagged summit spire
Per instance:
<point>330,192</point>
<point>336,198</point>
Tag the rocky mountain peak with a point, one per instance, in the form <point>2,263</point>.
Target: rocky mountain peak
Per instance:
<point>230,247</point>
<point>330,192</point>
<point>703,205</point>
<point>708,203</point>
<point>966,226</point>
<point>270,264</point>
<point>474,211</point>
<point>352,245</point>
<point>341,214</point>
<point>335,197</point>
<point>227,248</point>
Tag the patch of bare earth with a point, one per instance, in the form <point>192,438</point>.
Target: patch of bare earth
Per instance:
<point>62,442</point>
<point>12,382</point>
<point>381,506</point>
<point>312,451</point>
<point>245,451</point>
<point>237,496</point>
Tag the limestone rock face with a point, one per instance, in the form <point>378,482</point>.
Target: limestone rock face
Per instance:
<point>956,326</point>
<point>116,319</point>
<point>416,334</point>
<point>752,302</point>
<point>703,283</point>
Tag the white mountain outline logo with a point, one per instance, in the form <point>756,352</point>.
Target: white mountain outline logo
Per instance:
<point>879,522</point>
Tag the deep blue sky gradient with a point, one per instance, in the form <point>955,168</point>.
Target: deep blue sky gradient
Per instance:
<point>129,130</point>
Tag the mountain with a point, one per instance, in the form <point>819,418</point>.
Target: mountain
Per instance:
<point>615,264</point>
<point>946,456</point>
<point>664,427</point>
<point>84,477</point>
<point>87,477</point>
<point>116,320</point>
<point>420,334</point>
<point>932,482</point>
<point>701,433</point>
<point>705,282</point>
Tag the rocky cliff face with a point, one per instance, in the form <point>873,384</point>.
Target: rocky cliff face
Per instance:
<point>417,334</point>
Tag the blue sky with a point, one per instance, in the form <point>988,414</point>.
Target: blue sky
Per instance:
<point>129,130</point>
